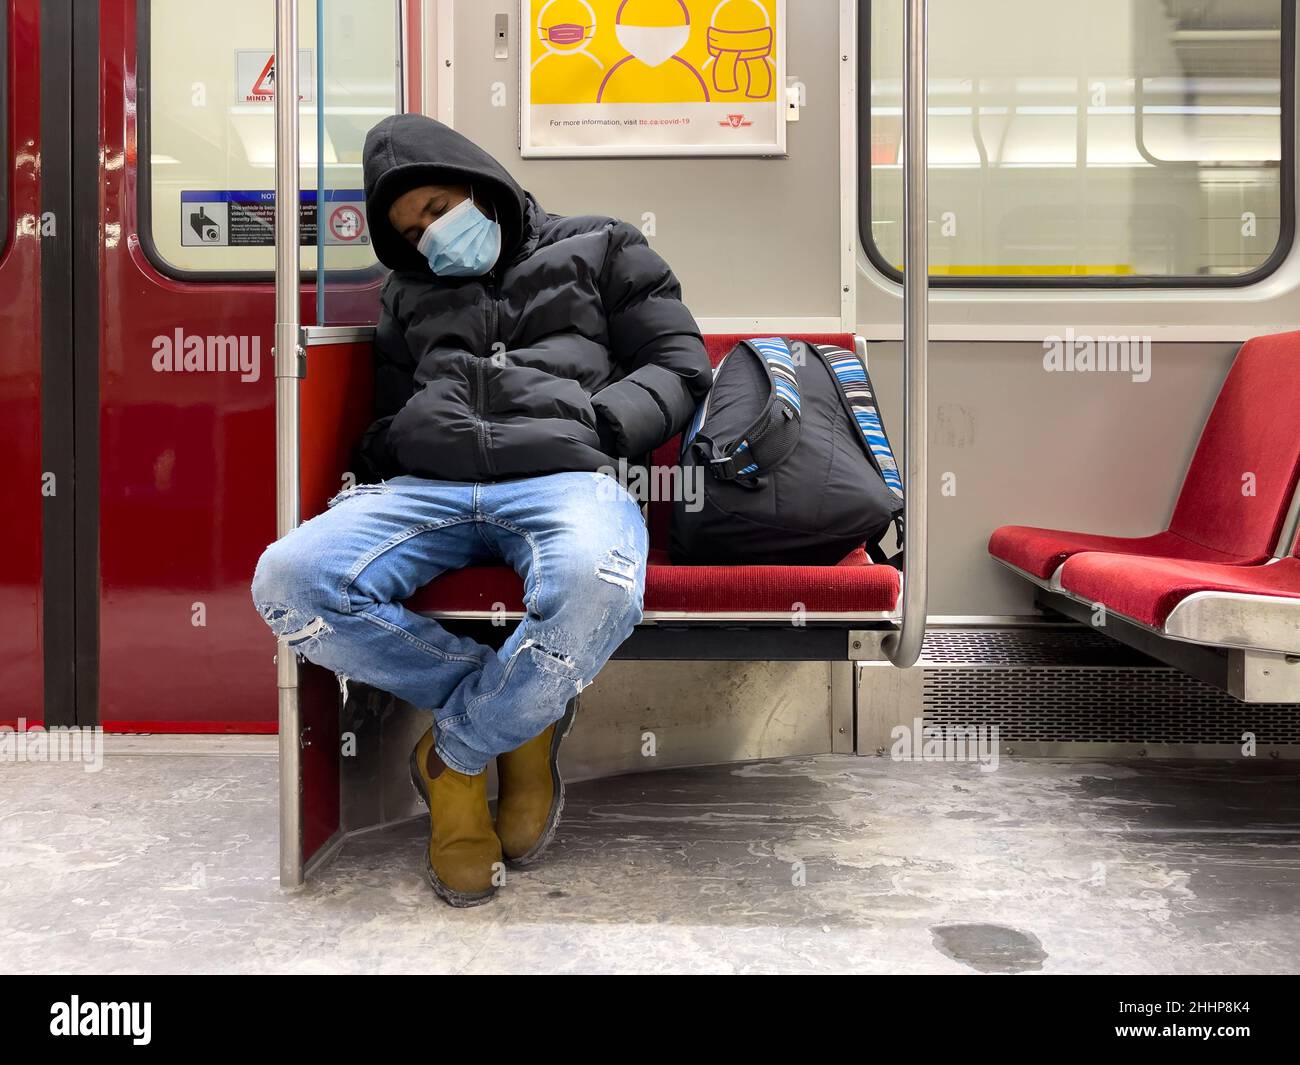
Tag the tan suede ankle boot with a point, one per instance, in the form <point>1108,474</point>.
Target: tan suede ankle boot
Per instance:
<point>530,795</point>
<point>464,854</point>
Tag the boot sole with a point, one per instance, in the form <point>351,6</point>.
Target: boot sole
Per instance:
<point>459,899</point>
<point>557,787</point>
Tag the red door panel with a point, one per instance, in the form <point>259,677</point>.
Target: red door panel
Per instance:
<point>187,460</point>
<point>21,647</point>
<point>187,467</point>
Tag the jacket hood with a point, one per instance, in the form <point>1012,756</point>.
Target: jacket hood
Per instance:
<point>405,151</point>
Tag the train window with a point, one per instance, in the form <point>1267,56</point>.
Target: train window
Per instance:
<point>1109,143</point>
<point>207,130</point>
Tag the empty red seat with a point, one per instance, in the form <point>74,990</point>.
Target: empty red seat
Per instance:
<point>1251,439</point>
<point>853,587</point>
<point>1147,589</point>
<point>1041,552</point>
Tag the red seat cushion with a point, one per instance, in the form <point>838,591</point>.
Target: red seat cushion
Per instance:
<point>475,588</point>
<point>856,585</point>
<point>1251,431</point>
<point>853,586</point>
<point>1148,589</point>
<point>1041,551</point>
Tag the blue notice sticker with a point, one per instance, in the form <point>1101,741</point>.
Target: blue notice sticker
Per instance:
<point>243,218</point>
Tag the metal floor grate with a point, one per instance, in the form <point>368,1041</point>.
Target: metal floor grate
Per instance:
<point>1073,685</point>
<point>1066,646</point>
<point>1061,705</point>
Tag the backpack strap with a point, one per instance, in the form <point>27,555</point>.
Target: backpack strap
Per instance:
<point>774,434</point>
<point>855,383</point>
<point>855,388</point>
<point>877,553</point>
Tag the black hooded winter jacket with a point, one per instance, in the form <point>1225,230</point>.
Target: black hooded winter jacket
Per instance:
<point>574,350</point>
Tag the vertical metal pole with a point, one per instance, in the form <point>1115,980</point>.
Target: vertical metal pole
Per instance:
<point>904,647</point>
<point>288,371</point>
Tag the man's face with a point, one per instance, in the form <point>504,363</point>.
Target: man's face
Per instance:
<point>413,212</point>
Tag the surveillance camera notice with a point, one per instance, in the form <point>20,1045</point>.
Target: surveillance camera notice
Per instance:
<point>246,218</point>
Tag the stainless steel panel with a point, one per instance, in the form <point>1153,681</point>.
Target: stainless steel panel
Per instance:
<point>699,713</point>
<point>843,681</point>
<point>1264,677</point>
<point>1256,622</point>
<point>323,335</point>
<point>635,717</point>
<point>886,697</point>
<point>721,223</point>
<point>1087,451</point>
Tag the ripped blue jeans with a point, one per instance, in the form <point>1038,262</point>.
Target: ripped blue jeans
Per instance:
<point>334,587</point>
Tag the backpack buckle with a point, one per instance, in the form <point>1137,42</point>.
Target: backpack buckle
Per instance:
<point>723,468</point>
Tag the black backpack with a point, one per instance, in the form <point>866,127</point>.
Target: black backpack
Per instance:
<point>793,461</point>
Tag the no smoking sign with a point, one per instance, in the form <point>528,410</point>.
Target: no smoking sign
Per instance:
<point>347,225</point>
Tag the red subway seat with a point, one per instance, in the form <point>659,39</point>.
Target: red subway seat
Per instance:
<point>853,586</point>
<point>1251,433</point>
<point>1147,589</point>
<point>1041,552</point>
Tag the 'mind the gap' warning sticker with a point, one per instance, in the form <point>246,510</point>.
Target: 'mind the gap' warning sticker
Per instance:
<point>246,219</point>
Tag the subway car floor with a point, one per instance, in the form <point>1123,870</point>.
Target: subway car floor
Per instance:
<point>165,861</point>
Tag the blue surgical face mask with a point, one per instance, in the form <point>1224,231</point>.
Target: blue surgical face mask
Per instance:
<point>462,243</point>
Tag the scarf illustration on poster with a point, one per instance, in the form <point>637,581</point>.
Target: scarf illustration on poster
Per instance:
<point>741,54</point>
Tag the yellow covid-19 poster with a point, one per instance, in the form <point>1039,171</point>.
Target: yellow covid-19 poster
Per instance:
<point>653,77</point>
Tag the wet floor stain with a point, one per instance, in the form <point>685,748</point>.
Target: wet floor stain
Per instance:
<point>990,948</point>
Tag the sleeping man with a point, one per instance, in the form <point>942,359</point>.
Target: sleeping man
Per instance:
<point>517,354</point>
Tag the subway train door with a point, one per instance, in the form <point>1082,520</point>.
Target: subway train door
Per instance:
<point>136,300</point>
<point>29,495</point>
<point>186,408</point>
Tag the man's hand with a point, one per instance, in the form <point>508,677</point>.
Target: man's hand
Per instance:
<point>608,438</point>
